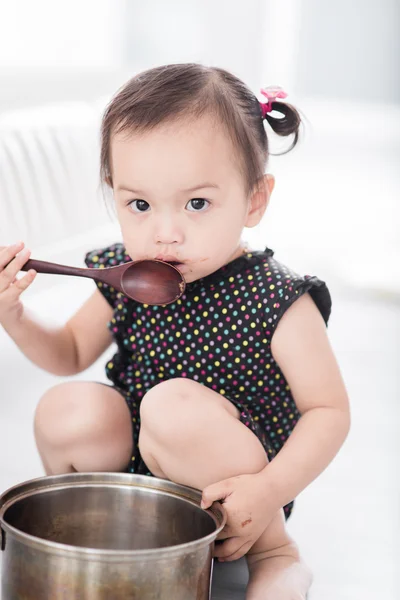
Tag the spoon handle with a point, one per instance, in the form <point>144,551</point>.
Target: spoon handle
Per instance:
<point>41,266</point>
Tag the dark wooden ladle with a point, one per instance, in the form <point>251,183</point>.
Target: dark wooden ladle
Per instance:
<point>145,281</point>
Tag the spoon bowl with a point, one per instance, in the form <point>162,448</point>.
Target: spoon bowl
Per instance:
<point>151,282</point>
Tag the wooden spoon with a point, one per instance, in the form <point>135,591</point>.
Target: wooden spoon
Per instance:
<point>145,281</point>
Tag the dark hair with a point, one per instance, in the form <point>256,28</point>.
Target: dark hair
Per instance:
<point>191,90</point>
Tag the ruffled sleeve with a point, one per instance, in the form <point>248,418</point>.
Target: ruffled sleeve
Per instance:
<point>284,286</point>
<point>107,257</point>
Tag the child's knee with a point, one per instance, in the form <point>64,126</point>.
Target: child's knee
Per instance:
<point>52,405</point>
<point>159,409</point>
<point>64,413</point>
<point>52,414</point>
<point>162,401</point>
<point>175,410</point>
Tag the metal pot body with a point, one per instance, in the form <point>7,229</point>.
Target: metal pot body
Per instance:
<point>114,536</point>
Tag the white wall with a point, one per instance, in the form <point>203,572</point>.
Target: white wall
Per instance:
<point>59,51</point>
<point>349,50</point>
<point>215,32</point>
<point>60,34</point>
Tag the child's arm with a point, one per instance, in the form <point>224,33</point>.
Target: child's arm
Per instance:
<point>301,347</point>
<point>68,349</point>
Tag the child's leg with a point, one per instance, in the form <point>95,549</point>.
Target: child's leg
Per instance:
<point>276,569</point>
<point>193,436</point>
<point>83,426</point>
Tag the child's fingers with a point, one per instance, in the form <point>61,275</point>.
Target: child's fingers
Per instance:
<point>226,533</point>
<point>241,551</point>
<point>20,285</point>
<point>8,274</point>
<point>235,546</point>
<point>7,253</point>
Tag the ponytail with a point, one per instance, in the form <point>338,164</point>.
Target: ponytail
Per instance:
<point>287,124</point>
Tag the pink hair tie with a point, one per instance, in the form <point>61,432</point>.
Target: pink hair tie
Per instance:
<point>272,93</point>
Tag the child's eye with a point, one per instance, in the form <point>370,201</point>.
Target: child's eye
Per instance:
<point>197,204</point>
<point>139,205</point>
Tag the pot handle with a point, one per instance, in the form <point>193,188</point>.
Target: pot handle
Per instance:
<point>3,539</point>
<point>218,511</point>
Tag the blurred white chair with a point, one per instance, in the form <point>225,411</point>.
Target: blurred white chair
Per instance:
<point>49,183</point>
<point>50,198</point>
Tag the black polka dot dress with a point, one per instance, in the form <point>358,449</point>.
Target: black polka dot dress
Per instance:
<point>219,334</point>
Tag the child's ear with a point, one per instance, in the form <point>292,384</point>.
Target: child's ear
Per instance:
<point>259,200</point>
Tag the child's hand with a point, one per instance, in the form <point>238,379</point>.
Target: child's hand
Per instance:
<point>249,508</point>
<point>11,308</point>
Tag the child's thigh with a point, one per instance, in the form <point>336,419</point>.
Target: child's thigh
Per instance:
<point>82,410</point>
<point>183,396</point>
<point>195,436</point>
<point>180,413</point>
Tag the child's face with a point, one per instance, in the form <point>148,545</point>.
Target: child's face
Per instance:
<point>180,196</point>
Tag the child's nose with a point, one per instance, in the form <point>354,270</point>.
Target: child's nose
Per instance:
<point>168,231</point>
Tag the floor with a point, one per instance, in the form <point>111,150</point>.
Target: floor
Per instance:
<point>348,522</point>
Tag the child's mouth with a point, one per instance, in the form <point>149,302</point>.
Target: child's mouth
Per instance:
<point>182,265</point>
<point>169,260</point>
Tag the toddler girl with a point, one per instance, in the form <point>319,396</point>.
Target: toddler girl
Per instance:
<point>232,389</point>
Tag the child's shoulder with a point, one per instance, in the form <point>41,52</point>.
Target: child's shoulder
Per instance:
<point>281,286</point>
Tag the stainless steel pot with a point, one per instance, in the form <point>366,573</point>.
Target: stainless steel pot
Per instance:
<point>114,536</point>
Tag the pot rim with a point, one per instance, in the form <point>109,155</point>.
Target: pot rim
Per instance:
<point>48,483</point>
